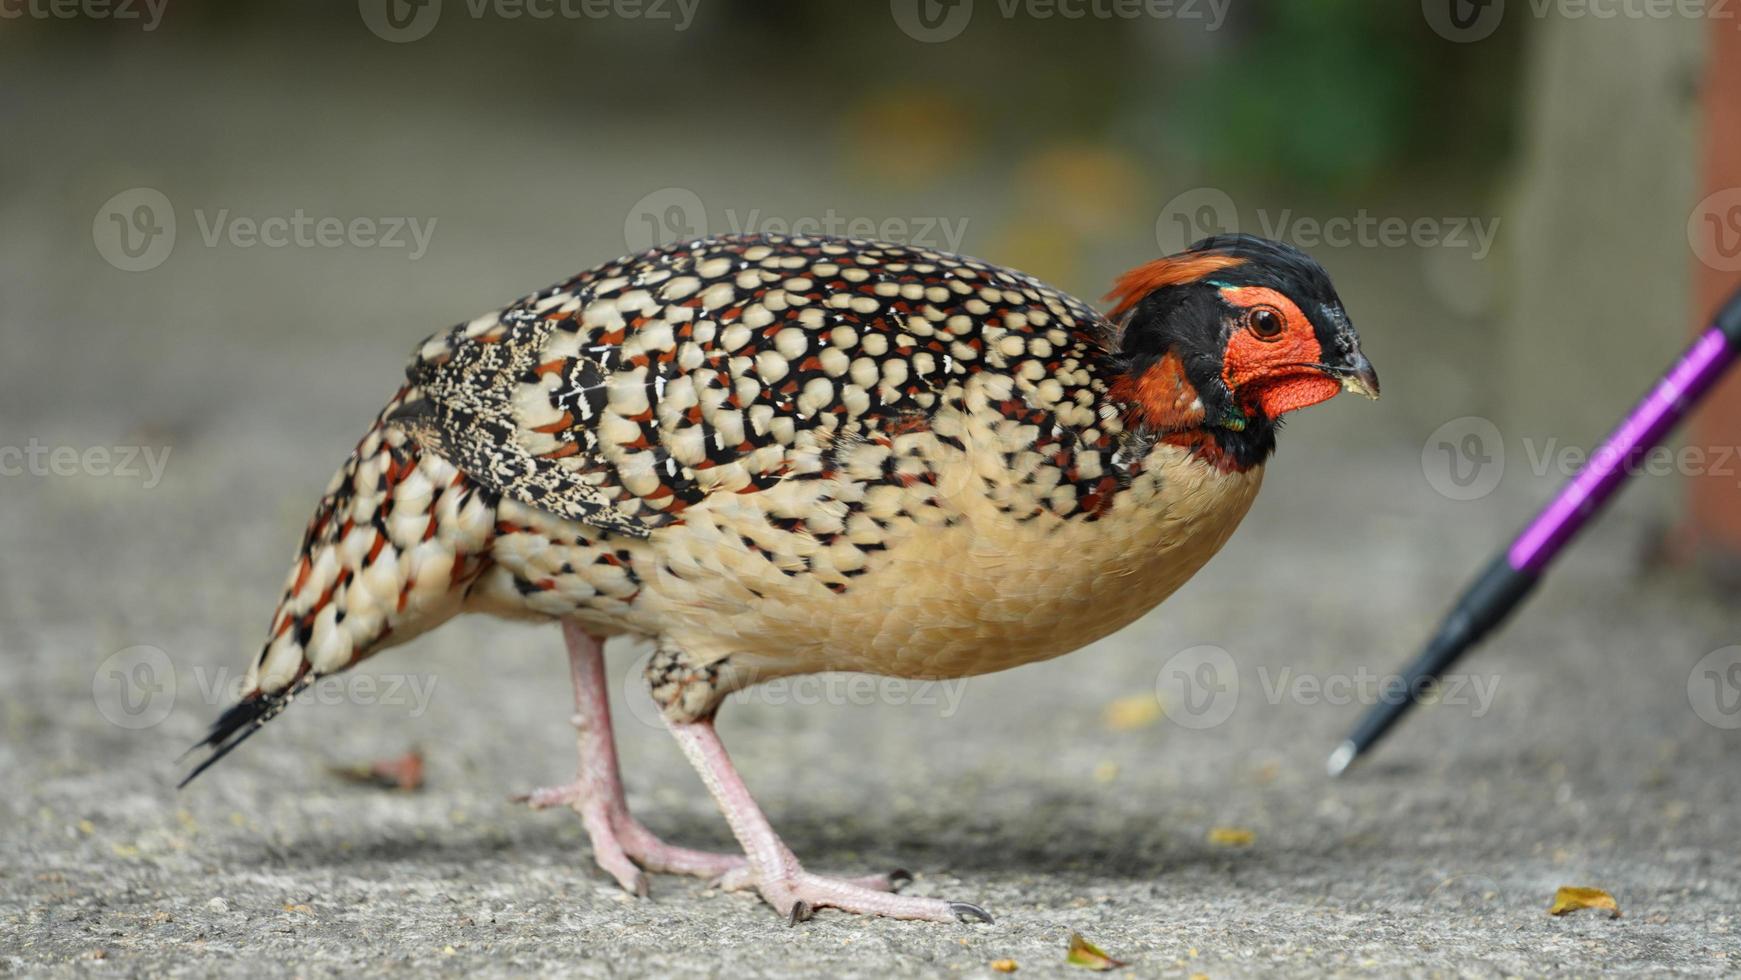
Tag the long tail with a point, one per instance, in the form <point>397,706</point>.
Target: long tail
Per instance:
<point>388,554</point>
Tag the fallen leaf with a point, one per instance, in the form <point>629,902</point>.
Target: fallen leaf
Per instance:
<point>1004,966</point>
<point>1132,713</point>
<point>1231,836</point>
<point>1085,954</point>
<point>1571,898</point>
<point>404,773</point>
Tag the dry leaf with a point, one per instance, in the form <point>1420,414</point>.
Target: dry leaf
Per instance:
<point>404,773</point>
<point>1004,966</point>
<point>1085,954</point>
<point>1132,713</point>
<point>1571,898</point>
<point>1231,836</point>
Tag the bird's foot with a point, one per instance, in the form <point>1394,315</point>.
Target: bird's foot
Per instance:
<point>624,848</point>
<point>797,894</point>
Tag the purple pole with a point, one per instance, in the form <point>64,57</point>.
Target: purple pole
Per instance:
<point>1511,575</point>
<point>1640,432</point>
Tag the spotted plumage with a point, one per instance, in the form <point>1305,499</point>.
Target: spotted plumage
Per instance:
<point>777,455</point>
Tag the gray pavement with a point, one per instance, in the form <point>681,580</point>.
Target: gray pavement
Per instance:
<point>1587,766</point>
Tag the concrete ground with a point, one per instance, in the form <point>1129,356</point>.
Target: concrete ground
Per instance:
<point>1051,794</point>
<point>1584,748</point>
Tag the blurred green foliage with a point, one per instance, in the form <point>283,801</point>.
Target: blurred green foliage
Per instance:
<point>1336,93</point>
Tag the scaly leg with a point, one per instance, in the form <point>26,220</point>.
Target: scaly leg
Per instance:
<point>619,843</point>
<point>773,870</point>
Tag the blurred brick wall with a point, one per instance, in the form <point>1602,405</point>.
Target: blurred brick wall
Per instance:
<point>1715,497</point>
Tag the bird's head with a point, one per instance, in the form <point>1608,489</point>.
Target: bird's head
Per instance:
<point>1229,336</point>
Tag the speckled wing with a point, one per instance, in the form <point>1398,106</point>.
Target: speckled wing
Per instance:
<point>624,395</point>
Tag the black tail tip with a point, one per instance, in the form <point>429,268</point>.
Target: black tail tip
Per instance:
<point>232,728</point>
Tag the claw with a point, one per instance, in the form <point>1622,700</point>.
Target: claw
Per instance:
<point>801,911</point>
<point>899,878</point>
<point>968,912</point>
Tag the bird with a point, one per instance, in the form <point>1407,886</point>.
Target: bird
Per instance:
<point>774,455</point>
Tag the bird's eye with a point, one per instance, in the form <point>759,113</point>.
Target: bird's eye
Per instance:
<point>1266,322</point>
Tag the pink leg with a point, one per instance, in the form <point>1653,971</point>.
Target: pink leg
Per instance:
<point>620,844</point>
<point>773,870</point>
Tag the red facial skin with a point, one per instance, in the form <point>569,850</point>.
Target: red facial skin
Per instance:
<point>1274,375</point>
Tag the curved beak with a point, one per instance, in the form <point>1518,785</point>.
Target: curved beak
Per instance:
<point>1357,376</point>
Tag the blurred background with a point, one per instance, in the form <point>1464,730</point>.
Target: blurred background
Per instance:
<point>227,224</point>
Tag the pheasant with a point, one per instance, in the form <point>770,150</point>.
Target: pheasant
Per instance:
<point>775,455</point>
